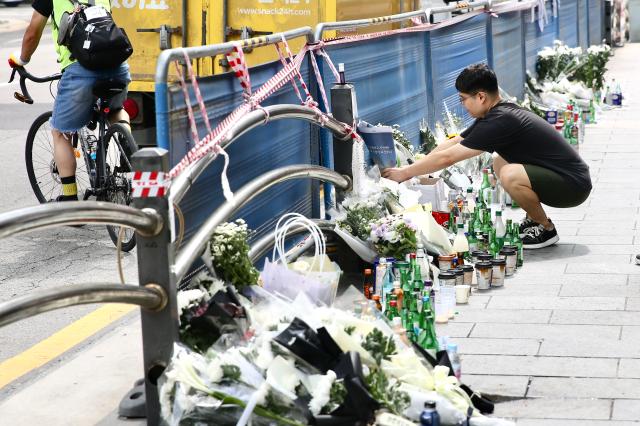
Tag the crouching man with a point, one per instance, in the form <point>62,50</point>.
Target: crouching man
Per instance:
<point>534,163</point>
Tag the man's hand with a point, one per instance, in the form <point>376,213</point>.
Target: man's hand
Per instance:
<point>399,174</point>
<point>15,61</point>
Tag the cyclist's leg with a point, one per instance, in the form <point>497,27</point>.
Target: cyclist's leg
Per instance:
<point>66,163</point>
<point>118,114</point>
<point>71,112</point>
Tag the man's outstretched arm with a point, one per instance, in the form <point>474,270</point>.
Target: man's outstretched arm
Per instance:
<point>435,161</point>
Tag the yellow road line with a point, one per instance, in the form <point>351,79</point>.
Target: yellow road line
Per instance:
<point>60,342</point>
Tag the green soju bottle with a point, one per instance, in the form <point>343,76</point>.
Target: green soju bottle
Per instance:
<point>501,230</point>
<point>392,312</point>
<point>427,337</point>
<point>592,113</point>
<point>507,238</point>
<point>484,187</point>
<point>487,226</point>
<point>472,239</point>
<point>520,259</point>
<point>494,248</point>
<point>404,315</point>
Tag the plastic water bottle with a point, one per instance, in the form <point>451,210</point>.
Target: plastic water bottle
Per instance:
<point>423,262</point>
<point>381,270</point>
<point>617,95</point>
<point>92,145</point>
<point>454,357</point>
<point>429,416</point>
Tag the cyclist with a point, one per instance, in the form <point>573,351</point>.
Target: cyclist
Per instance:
<point>74,101</point>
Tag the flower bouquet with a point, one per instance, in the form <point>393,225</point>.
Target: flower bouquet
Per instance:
<point>358,214</point>
<point>229,251</point>
<point>353,219</point>
<point>394,236</point>
<point>554,63</point>
<point>300,364</point>
<point>594,66</point>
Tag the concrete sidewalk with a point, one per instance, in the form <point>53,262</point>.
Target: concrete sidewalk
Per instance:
<point>562,338</point>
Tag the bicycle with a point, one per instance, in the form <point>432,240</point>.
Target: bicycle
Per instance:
<point>106,171</point>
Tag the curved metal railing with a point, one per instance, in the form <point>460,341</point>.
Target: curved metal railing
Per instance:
<point>169,55</point>
<point>424,14</point>
<point>192,250</point>
<point>151,297</point>
<point>359,23</point>
<point>183,182</point>
<point>147,222</point>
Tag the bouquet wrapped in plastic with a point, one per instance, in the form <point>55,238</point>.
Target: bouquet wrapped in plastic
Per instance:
<point>299,363</point>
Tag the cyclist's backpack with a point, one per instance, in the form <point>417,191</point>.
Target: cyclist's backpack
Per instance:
<point>93,38</point>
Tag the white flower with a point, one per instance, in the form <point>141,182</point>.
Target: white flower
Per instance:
<point>214,370</point>
<point>283,376</point>
<point>265,354</point>
<point>187,297</point>
<point>392,236</point>
<point>319,386</point>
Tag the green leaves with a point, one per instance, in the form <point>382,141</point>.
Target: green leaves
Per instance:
<point>231,372</point>
<point>337,396</point>
<point>386,393</point>
<point>379,346</point>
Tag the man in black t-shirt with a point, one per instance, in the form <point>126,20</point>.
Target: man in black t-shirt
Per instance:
<point>534,162</point>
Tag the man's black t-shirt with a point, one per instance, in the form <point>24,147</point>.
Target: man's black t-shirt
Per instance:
<point>43,7</point>
<point>520,136</point>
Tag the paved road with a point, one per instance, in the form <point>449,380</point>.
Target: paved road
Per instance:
<point>49,258</point>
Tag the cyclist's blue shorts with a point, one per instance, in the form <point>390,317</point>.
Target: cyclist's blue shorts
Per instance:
<point>74,100</point>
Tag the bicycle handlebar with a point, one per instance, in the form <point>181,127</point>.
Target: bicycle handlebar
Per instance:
<point>23,95</point>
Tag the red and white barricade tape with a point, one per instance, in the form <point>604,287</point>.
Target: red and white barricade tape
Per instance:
<point>149,184</point>
<point>239,66</point>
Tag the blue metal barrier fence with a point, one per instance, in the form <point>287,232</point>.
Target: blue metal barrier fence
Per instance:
<point>400,78</point>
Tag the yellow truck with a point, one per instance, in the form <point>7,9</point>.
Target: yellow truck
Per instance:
<point>155,25</point>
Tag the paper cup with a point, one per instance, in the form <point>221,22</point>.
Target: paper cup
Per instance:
<point>462,293</point>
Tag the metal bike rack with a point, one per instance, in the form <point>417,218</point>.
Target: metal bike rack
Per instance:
<point>192,250</point>
<point>181,184</point>
<point>150,297</point>
<point>146,222</point>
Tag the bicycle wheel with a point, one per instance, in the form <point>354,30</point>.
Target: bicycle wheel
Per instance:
<point>119,146</point>
<point>41,167</point>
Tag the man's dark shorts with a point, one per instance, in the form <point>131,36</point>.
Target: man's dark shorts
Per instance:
<point>553,189</point>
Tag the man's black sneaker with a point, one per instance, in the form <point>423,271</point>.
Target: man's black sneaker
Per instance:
<point>538,237</point>
<point>526,224</point>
